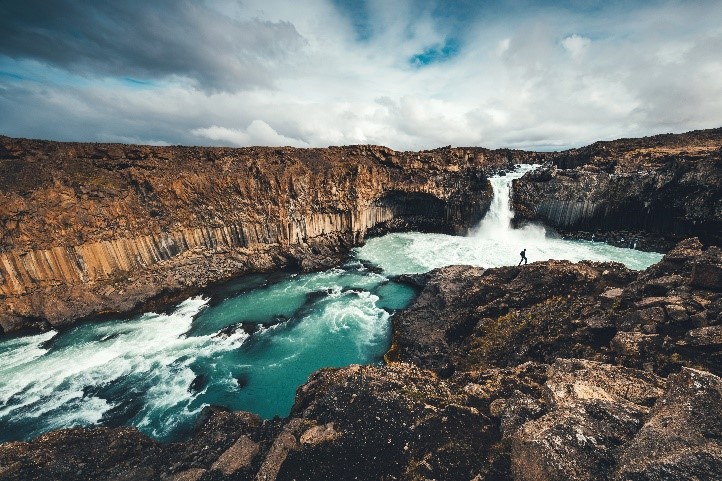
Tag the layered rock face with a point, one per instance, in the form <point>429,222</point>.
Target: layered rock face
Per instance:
<point>666,185</point>
<point>92,228</point>
<point>88,229</point>
<point>548,372</point>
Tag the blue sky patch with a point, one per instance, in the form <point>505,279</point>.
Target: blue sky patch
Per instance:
<point>436,54</point>
<point>137,83</point>
<point>11,75</point>
<point>357,12</point>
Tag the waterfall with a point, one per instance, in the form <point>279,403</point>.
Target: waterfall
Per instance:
<point>497,222</point>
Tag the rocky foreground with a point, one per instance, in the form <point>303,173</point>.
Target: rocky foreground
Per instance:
<point>550,371</point>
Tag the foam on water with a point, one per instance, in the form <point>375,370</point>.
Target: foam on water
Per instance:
<point>493,243</point>
<point>64,383</point>
<point>19,351</point>
<point>157,371</point>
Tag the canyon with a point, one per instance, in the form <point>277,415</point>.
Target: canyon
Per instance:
<point>93,230</point>
<point>88,230</point>
<point>548,371</point>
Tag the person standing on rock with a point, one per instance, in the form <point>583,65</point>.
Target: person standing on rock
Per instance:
<point>523,257</point>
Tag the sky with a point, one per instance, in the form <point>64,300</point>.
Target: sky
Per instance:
<point>407,74</point>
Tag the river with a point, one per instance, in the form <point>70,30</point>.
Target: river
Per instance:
<point>249,344</point>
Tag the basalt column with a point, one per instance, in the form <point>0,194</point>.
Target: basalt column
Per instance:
<point>87,229</point>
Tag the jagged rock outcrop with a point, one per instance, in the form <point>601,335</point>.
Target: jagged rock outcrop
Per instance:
<point>551,371</point>
<point>594,409</point>
<point>681,438</point>
<point>87,229</point>
<point>669,186</point>
<point>470,317</point>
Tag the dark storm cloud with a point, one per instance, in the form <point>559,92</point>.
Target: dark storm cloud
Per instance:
<point>149,40</point>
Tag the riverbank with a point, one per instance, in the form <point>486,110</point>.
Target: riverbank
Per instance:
<point>524,356</point>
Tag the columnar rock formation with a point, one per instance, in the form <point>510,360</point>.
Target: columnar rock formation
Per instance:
<point>87,229</point>
<point>667,185</point>
<point>93,228</point>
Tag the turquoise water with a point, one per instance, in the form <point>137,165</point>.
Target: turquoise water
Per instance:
<point>252,342</point>
<point>157,371</point>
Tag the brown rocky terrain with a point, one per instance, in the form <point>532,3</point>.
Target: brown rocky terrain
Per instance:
<point>550,371</point>
<point>87,229</point>
<point>654,190</point>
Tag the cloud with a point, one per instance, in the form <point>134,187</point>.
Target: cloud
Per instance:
<point>576,45</point>
<point>257,133</point>
<point>150,40</point>
<point>524,74</point>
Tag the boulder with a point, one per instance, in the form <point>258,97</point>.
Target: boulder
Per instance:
<point>704,336</point>
<point>707,271</point>
<point>237,457</point>
<point>594,409</point>
<point>634,344</point>
<point>682,439</point>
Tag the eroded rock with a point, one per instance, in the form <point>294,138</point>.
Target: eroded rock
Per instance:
<point>682,440</point>
<point>593,409</point>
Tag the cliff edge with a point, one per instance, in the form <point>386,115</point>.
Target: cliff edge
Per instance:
<point>655,190</point>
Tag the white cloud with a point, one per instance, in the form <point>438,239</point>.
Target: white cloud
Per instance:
<point>502,46</point>
<point>537,81</point>
<point>576,45</point>
<point>257,133</point>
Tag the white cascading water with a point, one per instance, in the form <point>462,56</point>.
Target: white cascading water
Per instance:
<point>492,243</point>
<point>496,225</point>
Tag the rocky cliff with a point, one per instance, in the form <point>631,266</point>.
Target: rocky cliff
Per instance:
<point>87,229</point>
<point>669,186</point>
<point>92,229</point>
<point>552,371</point>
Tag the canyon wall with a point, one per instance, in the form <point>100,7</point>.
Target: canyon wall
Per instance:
<point>95,229</point>
<point>667,185</point>
<point>88,229</point>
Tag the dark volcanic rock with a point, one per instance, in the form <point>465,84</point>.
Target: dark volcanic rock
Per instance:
<point>593,410</point>
<point>707,271</point>
<point>668,185</point>
<point>473,318</point>
<point>396,421</point>
<point>682,439</point>
<point>101,453</point>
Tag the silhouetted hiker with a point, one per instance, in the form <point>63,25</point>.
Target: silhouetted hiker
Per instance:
<point>523,257</point>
